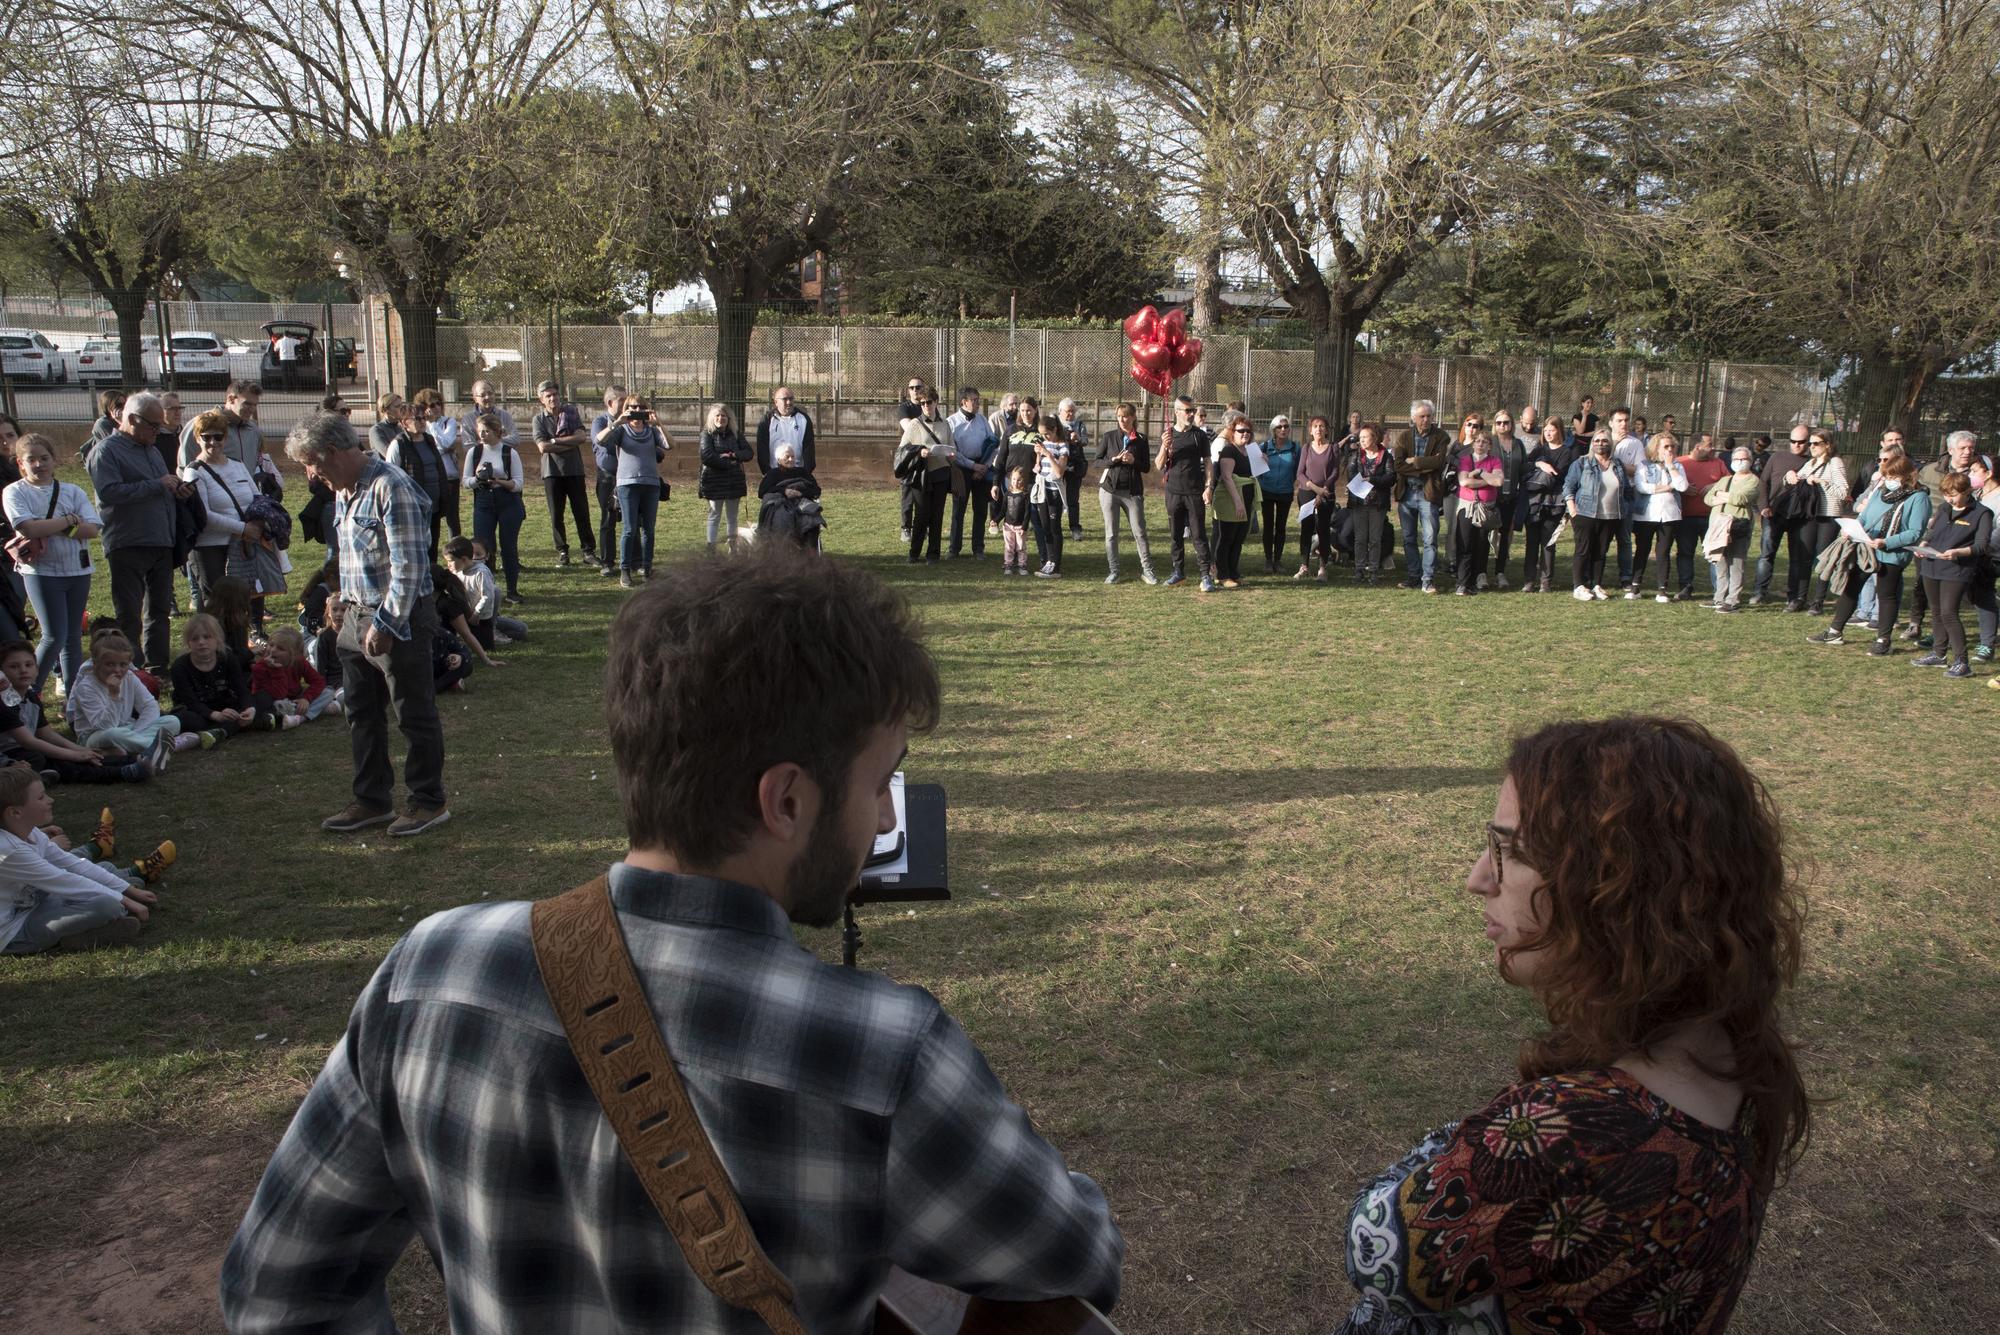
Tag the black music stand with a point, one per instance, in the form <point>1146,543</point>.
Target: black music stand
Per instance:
<point>926,879</point>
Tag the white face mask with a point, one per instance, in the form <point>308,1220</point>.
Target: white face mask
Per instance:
<point>1891,484</point>
<point>1739,465</point>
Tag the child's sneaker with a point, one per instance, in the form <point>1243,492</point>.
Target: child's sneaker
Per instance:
<point>105,836</point>
<point>157,754</point>
<point>286,708</point>
<point>154,865</point>
<point>49,778</point>
<point>211,739</point>
<point>271,722</point>
<point>337,705</point>
<point>292,720</point>
<point>187,741</point>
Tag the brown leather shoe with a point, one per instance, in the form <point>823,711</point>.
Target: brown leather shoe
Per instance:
<point>418,819</point>
<point>355,816</point>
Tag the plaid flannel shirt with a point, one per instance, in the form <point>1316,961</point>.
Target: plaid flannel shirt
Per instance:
<point>857,1121</point>
<point>383,530</point>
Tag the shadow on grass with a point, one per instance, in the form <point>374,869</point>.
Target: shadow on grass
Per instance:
<point>1122,792</point>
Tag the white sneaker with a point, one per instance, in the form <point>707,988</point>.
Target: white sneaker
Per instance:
<point>1582,594</point>
<point>1499,581</point>
<point>1485,583</point>
<point>1661,598</point>
<point>1598,593</point>
<point>1631,595</point>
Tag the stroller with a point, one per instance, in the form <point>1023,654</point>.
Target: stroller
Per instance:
<point>798,518</point>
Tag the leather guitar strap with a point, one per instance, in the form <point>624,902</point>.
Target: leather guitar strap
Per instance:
<point>596,993</point>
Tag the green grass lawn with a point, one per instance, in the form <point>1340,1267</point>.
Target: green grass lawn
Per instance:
<point>1209,925</point>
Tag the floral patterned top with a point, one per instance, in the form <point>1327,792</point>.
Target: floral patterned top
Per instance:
<point>1577,1204</point>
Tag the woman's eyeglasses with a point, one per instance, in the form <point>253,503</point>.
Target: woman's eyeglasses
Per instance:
<point>208,439</point>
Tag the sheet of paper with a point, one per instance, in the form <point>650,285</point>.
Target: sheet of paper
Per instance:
<point>1851,530</point>
<point>1360,488</point>
<point>1306,510</point>
<point>1259,465</point>
<point>885,842</point>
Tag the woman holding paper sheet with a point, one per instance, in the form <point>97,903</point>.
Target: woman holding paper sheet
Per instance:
<point>1825,473</point>
<point>1367,481</point>
<point>1894,517</point>
<point>1960,537</point>
<point>1319,466</point>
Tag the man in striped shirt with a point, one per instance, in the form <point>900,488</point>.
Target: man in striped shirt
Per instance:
<point>382,536</point>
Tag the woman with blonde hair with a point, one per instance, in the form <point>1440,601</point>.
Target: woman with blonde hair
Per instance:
<point>58,521</point>
<point>1620,1184</point>
<point>723,454</point>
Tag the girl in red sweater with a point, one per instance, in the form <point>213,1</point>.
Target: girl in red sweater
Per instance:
<point>286,677</point>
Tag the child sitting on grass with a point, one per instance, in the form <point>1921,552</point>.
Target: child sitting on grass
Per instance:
<point>212,692</point>
<point>110,711</point>
<point>506,629</point>
<point>283,676</point>
<point>28,737</point>
<point>50,898</point>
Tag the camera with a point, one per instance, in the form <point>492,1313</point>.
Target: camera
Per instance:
<point>482,476</point>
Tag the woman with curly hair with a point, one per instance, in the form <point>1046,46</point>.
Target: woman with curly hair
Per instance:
<point>1621,1183</point>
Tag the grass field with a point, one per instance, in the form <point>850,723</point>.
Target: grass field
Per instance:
<point>1209,925</point>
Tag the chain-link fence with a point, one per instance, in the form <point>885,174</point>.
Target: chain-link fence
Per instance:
<point>851,376</point>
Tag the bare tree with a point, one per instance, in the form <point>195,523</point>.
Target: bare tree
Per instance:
<point>760,123</point>
<point>1842,186</point>
<point>395,121</point>
<point>100,181</point>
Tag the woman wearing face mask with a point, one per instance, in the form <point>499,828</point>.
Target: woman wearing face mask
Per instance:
<point>1960,539</point>
<point>1597,495</point>
<point>1627,1172</point>
<point>1896,513</point>
<point>1731,501</point>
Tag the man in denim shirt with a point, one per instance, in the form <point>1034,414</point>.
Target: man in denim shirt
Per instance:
<point>973,435</point>
<point>382,530</point>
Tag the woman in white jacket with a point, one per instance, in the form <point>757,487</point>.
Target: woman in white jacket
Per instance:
<point>226,491</point>
<point>1658,486</point>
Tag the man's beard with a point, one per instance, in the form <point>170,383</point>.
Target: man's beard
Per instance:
<point>818,882</point>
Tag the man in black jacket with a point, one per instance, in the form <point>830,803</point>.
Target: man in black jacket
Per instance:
<point>1121,486</point>
<point>1184,461</point>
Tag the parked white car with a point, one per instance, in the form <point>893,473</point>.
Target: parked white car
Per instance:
<point>27,354</point>
<point>98,364</point>
<point>199,357</point>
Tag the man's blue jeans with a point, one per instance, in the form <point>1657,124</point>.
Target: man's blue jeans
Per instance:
<point>1420,525</point>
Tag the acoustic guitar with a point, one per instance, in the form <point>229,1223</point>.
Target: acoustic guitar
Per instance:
<point>912,1306</point>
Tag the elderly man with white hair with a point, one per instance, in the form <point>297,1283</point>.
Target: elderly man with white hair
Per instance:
<point>138,494</point>
<point>1421,455</point>
<point>381,538</point>
<point>1079,429</point>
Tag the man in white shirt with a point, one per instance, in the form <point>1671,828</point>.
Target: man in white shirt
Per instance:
<point>288,348</point>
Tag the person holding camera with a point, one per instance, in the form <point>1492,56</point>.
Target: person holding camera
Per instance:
<point>604,450</point>
<point>642,447</point>
<point>497,476</point>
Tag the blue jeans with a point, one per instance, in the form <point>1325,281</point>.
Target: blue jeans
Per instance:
<point>641,505</point>
<point>495,508</point>
<point>1864,605</point>
<point>1420,525</point>
<point>60,601</point>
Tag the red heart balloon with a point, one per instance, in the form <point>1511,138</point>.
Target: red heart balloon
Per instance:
<point>1153,382</point>
<point>1173,329</point>
<point>1186,357</point>
<point>1142,325</point>
<point>1152,354</point>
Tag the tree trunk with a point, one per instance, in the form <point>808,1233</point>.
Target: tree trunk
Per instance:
<point>129,306</point>
<point>735,318</point>
<point>420,344</point>
<point>1206,312</point>
<point>1333,366</point>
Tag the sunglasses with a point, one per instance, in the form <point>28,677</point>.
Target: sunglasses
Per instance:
<point>212,439</point>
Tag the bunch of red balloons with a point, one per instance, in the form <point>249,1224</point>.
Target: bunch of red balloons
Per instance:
<point>1161,350</point>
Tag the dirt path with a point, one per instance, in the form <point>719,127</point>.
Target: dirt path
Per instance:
<point>128,1246</point>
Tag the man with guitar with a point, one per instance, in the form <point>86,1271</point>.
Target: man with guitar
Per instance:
<point>641,1106</point>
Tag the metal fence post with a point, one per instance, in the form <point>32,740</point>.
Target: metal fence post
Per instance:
<point>1245,394</point>
<point>1042,369</point>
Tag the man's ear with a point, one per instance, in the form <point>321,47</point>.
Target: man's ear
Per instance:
<point>787,801</point>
